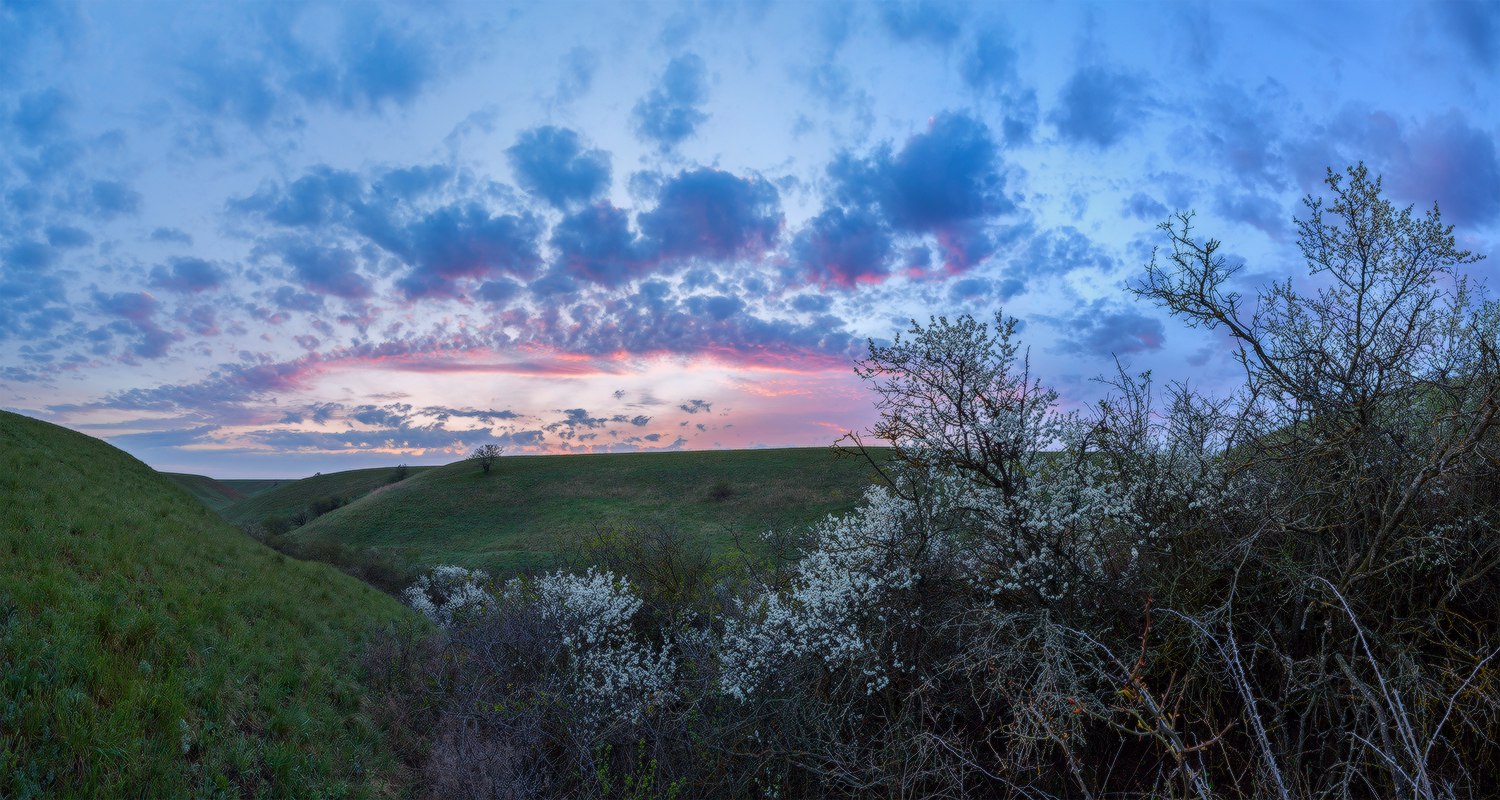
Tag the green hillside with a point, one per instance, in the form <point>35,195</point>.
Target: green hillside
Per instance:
<point>529,509</point>
<point>214,494</point>
<point>250,487</point>
<point>148,649</point>
<point>291,497</point>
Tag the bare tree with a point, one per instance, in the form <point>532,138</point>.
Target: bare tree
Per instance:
<point>486,456</point>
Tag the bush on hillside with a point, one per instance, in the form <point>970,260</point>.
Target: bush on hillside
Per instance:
<point>1291,591</point>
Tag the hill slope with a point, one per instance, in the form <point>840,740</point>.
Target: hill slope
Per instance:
<point>291,497</point>
<point>528,510</point>
<point>148,649</point>
<point>214,494</point>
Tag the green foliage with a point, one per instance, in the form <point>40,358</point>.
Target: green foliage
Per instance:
<point>528,520</point>
<point>147,649</point>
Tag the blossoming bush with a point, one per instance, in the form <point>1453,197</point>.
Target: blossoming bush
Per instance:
<point>1290,591</point>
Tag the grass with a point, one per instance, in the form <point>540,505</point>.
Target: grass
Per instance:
<point>290,497</point>
<point>215,494</point>
<point>529,510</point>
<point>148,649</point>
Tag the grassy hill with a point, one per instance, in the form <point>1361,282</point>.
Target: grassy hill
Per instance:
<point>148,649</point>
<point>214,494</point>
<point>529,509</point>
<point>291,497</point>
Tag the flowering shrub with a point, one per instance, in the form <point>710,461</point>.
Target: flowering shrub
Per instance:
<point>450,595</point>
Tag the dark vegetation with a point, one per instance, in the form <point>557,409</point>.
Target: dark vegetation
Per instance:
<point>1289,591</point>
<point>148,649</point>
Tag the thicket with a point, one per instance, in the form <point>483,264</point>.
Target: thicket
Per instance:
<point>1289,591</point>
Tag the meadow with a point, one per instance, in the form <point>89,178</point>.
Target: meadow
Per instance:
<point>150,649</point>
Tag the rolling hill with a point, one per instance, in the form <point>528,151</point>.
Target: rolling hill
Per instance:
<point>287,498</point>
<point>529,510</point>
<point>148,649</point>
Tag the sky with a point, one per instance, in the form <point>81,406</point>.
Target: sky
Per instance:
<point>273,239</point>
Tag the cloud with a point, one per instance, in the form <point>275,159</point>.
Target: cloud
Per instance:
<point>1145,208</point>
<point>577,73</point>
<point>110,199</point>
<point>989,68</point>
<point>707,213</point>
<point>443,238</point>
<point>136,312</point>
<point>812,303</point>
<point>945,182</point>
<point>1475,24</point>
<point>551,163</point>
<point>695,406</point>
<point>1258,211</point>
<point>1099,106</point>
<point>596,244</point>
<point>922,21</point>
<point>844,248</point>
<point>329,270</point>
<point>187,275</point>
<point>41,117</point>
<point>68,236</point>
<point>1442,158</point>
<point>270,70</point>
<point>1105,328</point>
<point>174,235</point>
<point>671,112</point>
<point>1447,160</point>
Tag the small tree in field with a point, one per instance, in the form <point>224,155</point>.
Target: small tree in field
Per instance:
<point>486,456</point>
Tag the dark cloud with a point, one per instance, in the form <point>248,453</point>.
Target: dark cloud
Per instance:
<point>671,111</point>
<point>551,163</point>
<point>1263,213</point>
<point>136,312</point>
<point>945,182</point>
<point>41,117</point>
<point>812,303</point>
<point>187,275</point>
<point>388,416</point>
<point>1475,24</point>
<point>467,241</point>
<point>707,213</point>
<point>925,21</point>
<point>844,248</point>
<point>171,235</point>
<point>487,416</point>
<point>287,298</point>
<point>1449,161</point>
<point>695,406</point>
<point>1104,328</point>
<point>271,70</point>
<point>1444,159</point>
<point>33,301</point>
<point>1145,208</point>
<point>988,67</point>
<point>596,244</point>
<point>68,236</point>
<point>110,199</point>
<point>716,307</point>
<point>444,241</point>
<point>328,270</point>
<point>1099,106</point>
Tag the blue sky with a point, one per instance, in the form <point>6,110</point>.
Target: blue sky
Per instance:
<point>271,239</point>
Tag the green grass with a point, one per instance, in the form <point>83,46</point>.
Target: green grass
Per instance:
<point>530,510</point>
<point>215,494</point>
<point>148,649</point>
<point>250,487</point>
<point>291,497</point>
